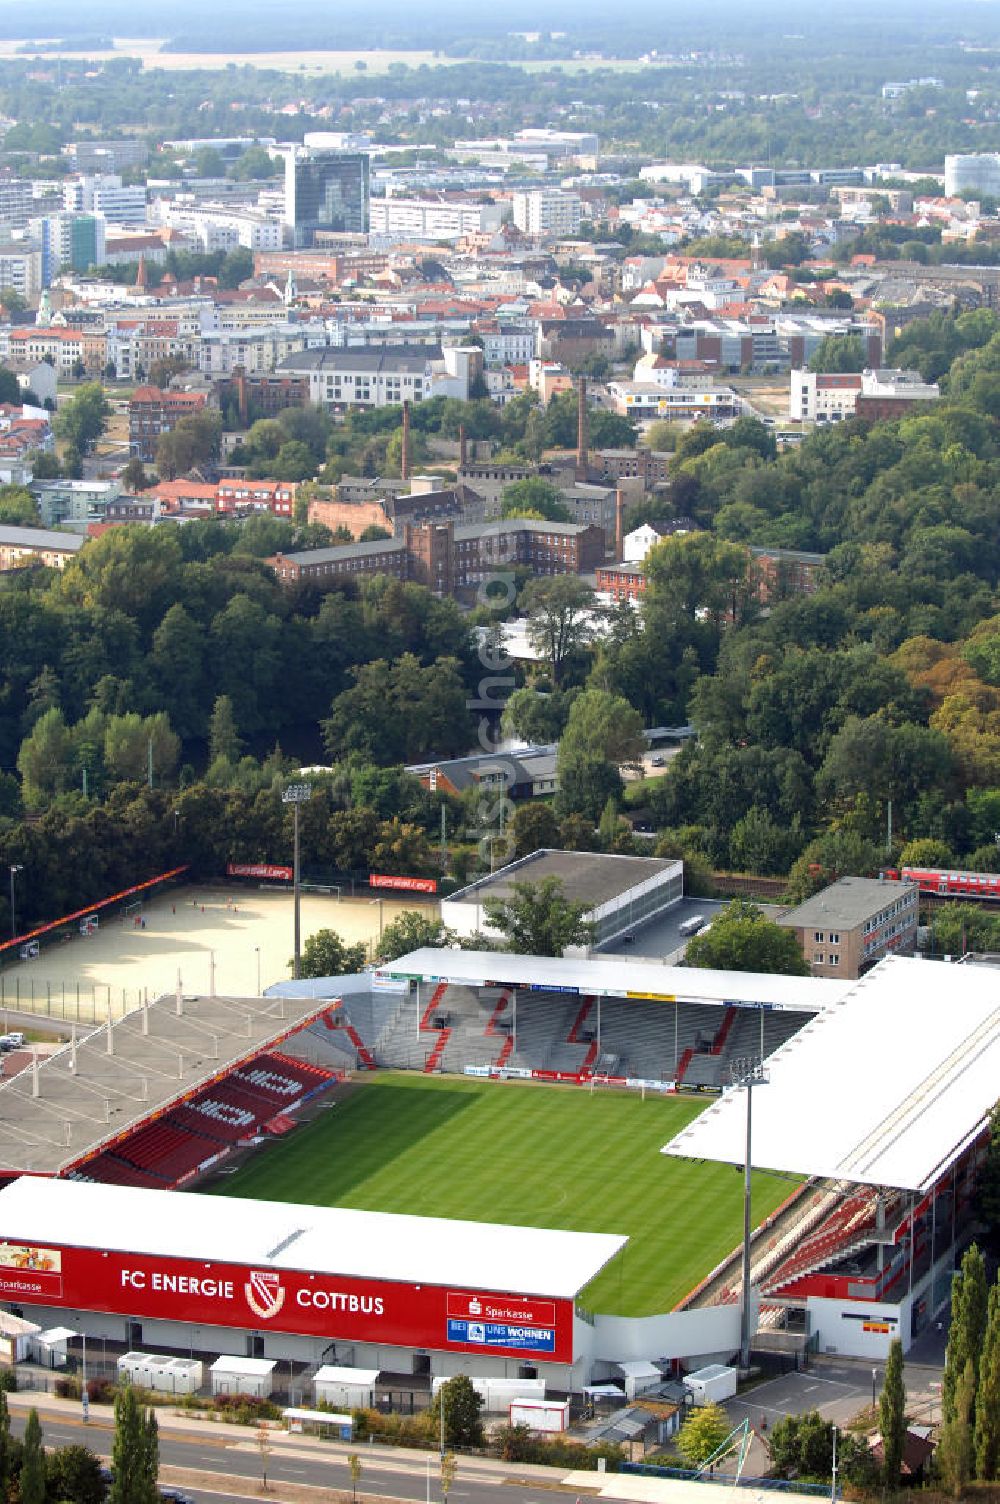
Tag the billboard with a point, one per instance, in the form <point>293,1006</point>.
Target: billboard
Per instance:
<point>331,1306</point>
<point>259,869</point>
<point>403,884</point>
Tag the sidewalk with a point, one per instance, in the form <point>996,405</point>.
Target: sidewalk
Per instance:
<point>191,1426</point>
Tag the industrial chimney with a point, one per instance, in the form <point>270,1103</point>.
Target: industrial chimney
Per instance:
<point>582,427</point>
<point>404,463</point>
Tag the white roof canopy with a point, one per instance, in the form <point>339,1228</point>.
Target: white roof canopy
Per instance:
<point>612,976</point>
<point>252,1368</point>
<point>885,1088</point>
<point>327,1240</point>
<point>359,1378</point>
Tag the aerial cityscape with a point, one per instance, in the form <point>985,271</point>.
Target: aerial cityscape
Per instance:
<point>499,753</point>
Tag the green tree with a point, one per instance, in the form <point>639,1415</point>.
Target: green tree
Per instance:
<point>538,919</point>
<point>892,1417</point>
<point>134,477</point>
<point>954,1458</point>
<point>134,1454</point>
<point>534,497</point>
<point>463,1426</point>
<point>17,506</point>
<point>743,939</point>
<point>839,353</point>
<point>704,1431</point>
<point>586,782</point>
<point>926,851</point>
<point>534,827</point>
<point>989,1180</point>
<point>603,725</point>
<point>801,1446</point>
<point>325,955</point>
<point>10,390</point>
<point>449,1471</point>
<point>355,1469</point>
<point>194,440</point>
<point>987,1427</point>
<point>32,1482</point>
<point>73,1474</point>
<point>254,165</point>
<point>411,931</point>
<point>966,1332</point>
<point>131,740</point>
<point>6,1446</point>
<point>294,462</point>
<point>535,717</point>
<point>80,422</point>
<point>224,740</point>
<point>557,608</point>
<point>45,761</point>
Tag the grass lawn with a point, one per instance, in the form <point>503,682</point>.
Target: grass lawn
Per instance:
<point>541,1156</point>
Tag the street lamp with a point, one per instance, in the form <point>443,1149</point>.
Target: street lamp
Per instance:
<point>874,1382</point>
<point>15,869</point>
<point>296,794</point>
<point>747,1073</point>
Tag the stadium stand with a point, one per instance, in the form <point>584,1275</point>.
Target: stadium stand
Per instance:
<point>455,1027</point>
<point>169,1150</point>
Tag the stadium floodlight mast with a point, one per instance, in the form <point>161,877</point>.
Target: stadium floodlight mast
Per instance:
<point>16,867</point>
<point>747,1072</point>
<point>296,794</point>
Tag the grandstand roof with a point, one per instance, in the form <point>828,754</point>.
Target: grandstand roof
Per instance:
<point>88,1095</point>
<point>887,1087</point>
<point>327,1240</point>
<point>599,976</point>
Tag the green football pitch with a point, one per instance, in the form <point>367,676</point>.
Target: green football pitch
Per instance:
<point>540,1156</point>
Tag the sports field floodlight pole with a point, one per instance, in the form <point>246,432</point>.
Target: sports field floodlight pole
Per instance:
<point>748,1073</point>
<point>15,869</point>
<point>296,794</point>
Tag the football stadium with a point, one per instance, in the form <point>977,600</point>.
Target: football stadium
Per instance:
<point>526,1169</point>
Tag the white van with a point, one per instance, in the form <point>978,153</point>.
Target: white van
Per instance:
<point>691,926</point>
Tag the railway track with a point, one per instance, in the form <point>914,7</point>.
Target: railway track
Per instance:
<point>770,889</point>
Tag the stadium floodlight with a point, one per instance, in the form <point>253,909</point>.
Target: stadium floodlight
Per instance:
<point>16,867</point>
<point>747,1072</point>
<point>296,794</point>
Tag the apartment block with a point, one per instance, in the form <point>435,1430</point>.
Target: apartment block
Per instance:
<point>431,218</point>
<point>152,413</point>
<point>852,924</point>
<point>547,211</point>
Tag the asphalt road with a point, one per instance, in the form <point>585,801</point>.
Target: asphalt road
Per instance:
<point>389,1477</point>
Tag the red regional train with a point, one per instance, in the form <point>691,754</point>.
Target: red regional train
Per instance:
<point>949,884</point>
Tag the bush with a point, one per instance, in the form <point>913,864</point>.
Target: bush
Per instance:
<point>518,1444</point>
<point>398,1430</point>
<point>68,1388</point>
<point>245,1409</point>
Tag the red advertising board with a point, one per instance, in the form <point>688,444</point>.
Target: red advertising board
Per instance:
<point>403,884</point>
<point>259,869</point>
<point>209,1293</point>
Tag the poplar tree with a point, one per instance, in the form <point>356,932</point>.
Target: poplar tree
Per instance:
<point>953,1458</point>
<point>892,1417</point>
<point>968,1327</point>
<point>5,1458</point>
<point>987,1427</point>
<point>32,1489</point>
<point>135,1454</point>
